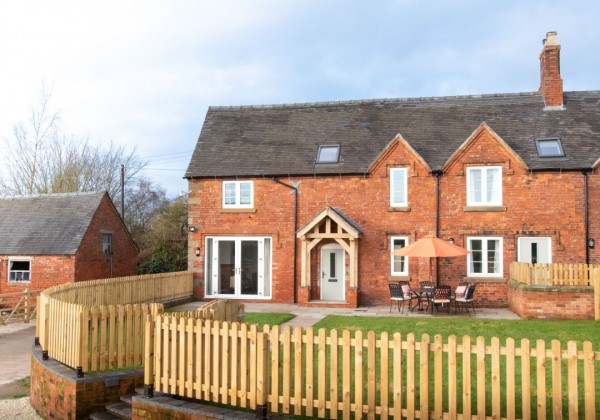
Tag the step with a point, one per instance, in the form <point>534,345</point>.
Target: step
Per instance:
<point>103,415</point>
<point>121,410</point>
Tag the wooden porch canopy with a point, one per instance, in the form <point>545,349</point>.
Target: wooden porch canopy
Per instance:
<point>330,223</point>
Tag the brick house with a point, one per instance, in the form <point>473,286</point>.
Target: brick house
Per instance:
<point>52,239</point>
<point>306,202</point>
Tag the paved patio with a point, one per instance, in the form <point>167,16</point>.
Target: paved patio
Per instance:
<point>308,316</point>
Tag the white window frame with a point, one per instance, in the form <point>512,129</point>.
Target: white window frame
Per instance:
<point>484,190</point>
<point>20,259</point>
<point>211,267</point>
<point>237,204</point>
<point>393,257</point>
<point>484,262</point>
<point>404,200</point>
<point>520,246</point>
<point>107,246</point>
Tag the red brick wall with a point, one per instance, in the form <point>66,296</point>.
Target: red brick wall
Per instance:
<point>552,303</point>
<point>551,84</point>
<point>594,214</point>
<point>57,393</point>
<point>88,263</point>
<point>46,271</point>
<point>534,204</point>
<point>92,263</point>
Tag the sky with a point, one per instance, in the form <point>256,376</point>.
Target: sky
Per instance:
<point>142,74</point>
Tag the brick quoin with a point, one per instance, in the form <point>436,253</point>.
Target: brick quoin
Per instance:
<point>533,204</point>
<point>88,263</point>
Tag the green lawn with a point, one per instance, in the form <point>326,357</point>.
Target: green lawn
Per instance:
<point>269,318</point>
<point>518,329</point>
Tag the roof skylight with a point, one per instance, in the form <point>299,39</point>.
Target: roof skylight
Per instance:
<point>328,154</point>
<point>549,147</point>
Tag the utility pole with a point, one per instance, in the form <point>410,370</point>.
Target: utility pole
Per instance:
<point>123,192</point>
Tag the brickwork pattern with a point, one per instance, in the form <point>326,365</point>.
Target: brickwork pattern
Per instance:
<point>554,303</point>
<point>57,393</point>
<point>533,204</point>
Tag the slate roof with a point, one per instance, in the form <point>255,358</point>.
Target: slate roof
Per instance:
<point>49,224</point>
<point>282,140</point>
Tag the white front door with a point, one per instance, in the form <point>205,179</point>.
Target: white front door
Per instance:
<point>535,250</point>
<point>332,273</point>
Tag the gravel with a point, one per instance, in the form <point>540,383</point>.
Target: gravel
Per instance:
<point>18,408</point>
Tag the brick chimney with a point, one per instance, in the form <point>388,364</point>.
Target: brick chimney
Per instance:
<point>551,84</point>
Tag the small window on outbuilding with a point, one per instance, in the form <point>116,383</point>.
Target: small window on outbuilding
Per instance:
<point>328,154</point>
<point>107,243</point>
<point>19,270</point>
<point>549,147</point>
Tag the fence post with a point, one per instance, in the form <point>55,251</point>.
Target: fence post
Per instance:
<point>36,340</point>
<point>26,313</point>
<point>262,363</point>
<point>46,338</point>
<point>149,356</point>
<point>80,343</point>
<point>597,294</point>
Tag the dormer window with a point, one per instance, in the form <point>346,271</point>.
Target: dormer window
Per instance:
<point>550,147</point>
<point>328,154</point>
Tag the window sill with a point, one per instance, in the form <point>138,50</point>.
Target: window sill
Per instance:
<point>398,278</point>
<point>399,208</point>
<point>484,279</point>
<point>19,283</point>
<point>484,208</point>
<point>252,210</point>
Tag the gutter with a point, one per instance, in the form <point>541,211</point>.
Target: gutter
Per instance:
<point>586,215</point>
<point>437,219</point>
<point>295,230</point>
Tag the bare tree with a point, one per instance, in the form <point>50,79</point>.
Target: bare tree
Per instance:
<point>26,152</point>
<point>41,159</point>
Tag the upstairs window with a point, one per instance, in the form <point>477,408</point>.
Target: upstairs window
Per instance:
<point>238,194</point>
<point>398,187</point>
<point>19,270</point>
<point>484,186</point>
<point>328,154</point>
<point>399,264</point>
<point>550,147</point>
<point>107,243</point>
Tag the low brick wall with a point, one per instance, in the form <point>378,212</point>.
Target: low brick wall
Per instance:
<point>56,392</point>
<point>172,409</point>
<point>549,302</point>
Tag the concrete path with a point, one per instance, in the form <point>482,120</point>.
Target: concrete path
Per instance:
<point>309,316</point>
<point>16,340</point>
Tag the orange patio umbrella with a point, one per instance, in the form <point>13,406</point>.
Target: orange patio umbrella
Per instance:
<point>431,247</point>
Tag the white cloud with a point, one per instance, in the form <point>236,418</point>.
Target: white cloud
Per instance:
<point>144,72</point>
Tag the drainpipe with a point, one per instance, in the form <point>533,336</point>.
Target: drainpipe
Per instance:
<point>295,188</point>
<point>586,216</point>
<point>437,220</point>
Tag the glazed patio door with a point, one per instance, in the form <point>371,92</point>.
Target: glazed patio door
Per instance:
<point>238,267</point>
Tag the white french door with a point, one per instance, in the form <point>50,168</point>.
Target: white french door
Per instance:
<point>238,267</point>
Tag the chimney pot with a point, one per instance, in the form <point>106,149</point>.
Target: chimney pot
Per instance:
<point>550,38</point>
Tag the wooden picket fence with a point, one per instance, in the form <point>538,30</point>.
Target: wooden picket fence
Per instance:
<point>337,375</point>
<point>98,325</point>
<point>18,306</point>
<point>148,288</point>
<point>553,274</point>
